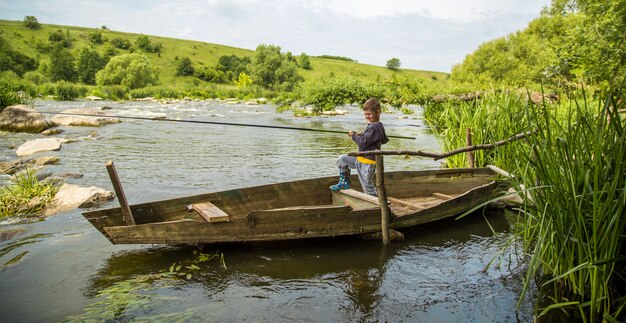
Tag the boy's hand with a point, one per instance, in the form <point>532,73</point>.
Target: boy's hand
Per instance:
<point>350,133</point>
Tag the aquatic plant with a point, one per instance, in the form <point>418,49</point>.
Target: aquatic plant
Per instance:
<point>575,217</point>
<point>26,196</point>
<point>141,296</point>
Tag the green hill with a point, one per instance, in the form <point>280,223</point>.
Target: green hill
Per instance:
<point>202,54</point>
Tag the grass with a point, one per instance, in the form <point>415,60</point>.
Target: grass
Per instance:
<point>573,221</point>
<point>202,54</point>
<point>26,196</point>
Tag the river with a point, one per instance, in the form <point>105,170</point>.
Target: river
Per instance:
<point>64,269</point>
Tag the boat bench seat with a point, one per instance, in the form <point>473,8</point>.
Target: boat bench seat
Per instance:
<point>210,212</point>
<point>355,199</point>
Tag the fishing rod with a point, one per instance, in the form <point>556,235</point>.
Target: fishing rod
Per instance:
<point>213,123</point>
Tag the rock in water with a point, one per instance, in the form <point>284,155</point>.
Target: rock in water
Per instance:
<point>22,118</point>
<point>90,118</point>
<point>73,196</point>
<point>37,145</point>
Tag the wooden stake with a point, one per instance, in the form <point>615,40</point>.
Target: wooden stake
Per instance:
<point>117,186</point>
<point>382,198</point>
<point>470,154</point>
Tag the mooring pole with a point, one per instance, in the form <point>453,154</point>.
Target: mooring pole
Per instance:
<point>382,198</point>
<point>117,186</point>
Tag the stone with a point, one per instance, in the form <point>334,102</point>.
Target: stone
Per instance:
<point>39,145</point>
<point>93,98</point>
<point>22,118</point>
<point>52,132</point>
<point>92,118</point>
<point>71,196</point>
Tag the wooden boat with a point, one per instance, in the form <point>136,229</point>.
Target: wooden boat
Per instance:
<point>299,209</point>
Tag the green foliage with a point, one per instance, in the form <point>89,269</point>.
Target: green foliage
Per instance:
<point>232,66</point>
<point>120,43</point>
<point>62,66</point>
<point>9,96</point>
<point>185,67</point>
<point>210,74</point>
<point>393,64</point>
<point>89,63</point>
<point>243,80</point>
<point>132,298</point>
<point>573,218</point>
<point>58,37</point>
<point>146,45</point>
<point>31,22</point>
<point>95,37</point>
<point>271,69</point>
<point>327,93</point>
<point>66,91</point>
<point>338,58</point>
<point>13,60</point>
<point>26,196</point>
<point>495,116</point>
<point>573,42</point>
<point>35,77</point>
<point>130,70</point>
<point>304,62</point>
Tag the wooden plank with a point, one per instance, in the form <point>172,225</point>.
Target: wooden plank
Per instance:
<point>382,199</point>
<point>415,206</point>
<point>361,196</point>
<point>119,191</point>
<point>442,196</point>
<point>210,212</point>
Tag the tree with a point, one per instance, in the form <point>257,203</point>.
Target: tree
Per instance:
<point>58,37</point>
<point>232,65</point>
<point>89,63</point>
<point>304,62</point>
<point>272,69</point>
<point>130,70</point>
<point>31,22</point>
<point>13,60</point>
<point>62,66</point>
<point>95,37</point>
<point>243,80</point>
<point>185,67</point>
<point>393,64</point>
<point>120,43</point>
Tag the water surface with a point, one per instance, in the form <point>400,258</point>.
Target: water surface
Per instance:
<point>66,270</point>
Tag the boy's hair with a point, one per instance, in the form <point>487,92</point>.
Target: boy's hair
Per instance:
<point>372,105</point>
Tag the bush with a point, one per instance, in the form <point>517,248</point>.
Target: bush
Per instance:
<point>130,70</point>
<point>65,91</point>
<point>35,77</point>
<point>9,96</point>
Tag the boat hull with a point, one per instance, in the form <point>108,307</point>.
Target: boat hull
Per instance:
<point>301,209</point>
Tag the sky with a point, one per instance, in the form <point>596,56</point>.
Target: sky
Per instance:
<point>428,35</point>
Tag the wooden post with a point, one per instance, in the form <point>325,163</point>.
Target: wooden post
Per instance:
<point>382,198</point>
<point>117,186</point>
<point>470,154</point>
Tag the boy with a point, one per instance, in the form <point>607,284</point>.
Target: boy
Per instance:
<point>370,139</point>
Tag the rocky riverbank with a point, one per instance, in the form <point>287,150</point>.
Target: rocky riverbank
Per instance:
<point>30,159</point>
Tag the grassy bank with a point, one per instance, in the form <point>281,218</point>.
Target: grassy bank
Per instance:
<point>574,169</point>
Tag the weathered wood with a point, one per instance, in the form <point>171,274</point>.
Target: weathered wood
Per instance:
<point>127,214</point>
<point>355,199</point>
<point>436,156</point>
<point>414,206</point>
<point>299,209</point>
<point>499,171</point>
<point>210,212</point>
<point>442,196</point>
<point>382,198</point>
<point>470,154</point>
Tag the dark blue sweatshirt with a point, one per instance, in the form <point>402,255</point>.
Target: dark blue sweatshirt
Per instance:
<point>372,138</point>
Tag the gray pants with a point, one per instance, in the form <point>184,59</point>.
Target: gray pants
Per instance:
<point>366,172</point>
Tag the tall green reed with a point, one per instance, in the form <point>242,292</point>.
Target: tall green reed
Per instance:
<point>575,218</point>
<point>492,117</point>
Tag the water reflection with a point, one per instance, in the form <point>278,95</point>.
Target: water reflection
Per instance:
<point>334,279</point>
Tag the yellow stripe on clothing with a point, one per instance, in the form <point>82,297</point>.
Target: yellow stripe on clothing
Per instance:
<point>364,160</point>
